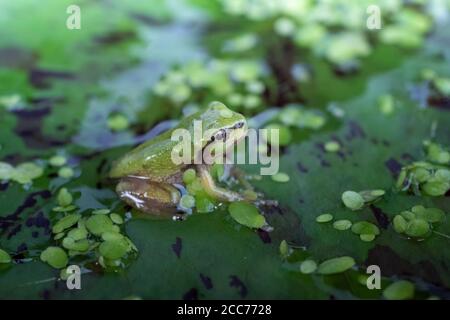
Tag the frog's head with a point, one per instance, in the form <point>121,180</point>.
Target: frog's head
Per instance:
<point>153,158</point>
<point>221,124</point>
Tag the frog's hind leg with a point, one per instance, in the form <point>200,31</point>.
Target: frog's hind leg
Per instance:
<point>149,197</point>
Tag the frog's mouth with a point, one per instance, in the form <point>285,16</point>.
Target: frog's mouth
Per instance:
<point>229,135</point>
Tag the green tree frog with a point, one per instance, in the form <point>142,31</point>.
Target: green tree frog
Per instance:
<point>150,180</point>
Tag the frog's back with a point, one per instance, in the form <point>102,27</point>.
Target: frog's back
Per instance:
<point>151,160</point>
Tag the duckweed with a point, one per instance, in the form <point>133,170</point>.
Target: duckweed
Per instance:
<point>111,236</point>
<point>66,172</point>
<point>77,234</point>
<point>24,173</point>
<point>296,116</point>
<point>284,249</point>
<point>342,225</point>
<point>332,146</point>
<point>427,177</point>
<point>118,122</point>
<point>371,195</point>
<point>29,170</point>
<point>336,265</point>
<point>367,237</point>
<point>284,26</point>
<point>436,187</point>
<point>400,290</point>
<point>434,215</point>
<point>436,153</point>
<point>4,257</point>
<point>251,101</point>
<point>352,200</point>
<point>408,215</point>
<point>6,171</point>
<point>195,187</point>
<point>64,275</point>
<point>323,218</point>
<point>116,218</point>
<point>57,161</point>
<point>75,245</point>
<point>365,228</point>
<point>284,134</point>
<point>59,236</point>
<point>113,249</point>
<point>400,224</point>
<point>64,197</point>
<point>386,104</point>
<point>417,223</point>
<point>101,211</point>
<point>246,214</point>
<point>421,212</point>
<point>280,177</point>
<point>189,176</point>
<point>203,204</point>
<point>443,86</point>
<point>55,257</point>
<point>64,209</point>
<point>187,201</point>
<point>417,228</point>
<point>66,222</point>
<point>308,266</point>
<point>97,224</point>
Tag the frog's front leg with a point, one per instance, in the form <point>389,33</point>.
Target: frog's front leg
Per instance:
<point>249,190</point>
<point>213,189</point>
<point>147,196</point>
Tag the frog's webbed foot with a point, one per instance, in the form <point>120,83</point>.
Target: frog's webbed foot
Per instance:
<point>242,177</point>
<point>257,197</point>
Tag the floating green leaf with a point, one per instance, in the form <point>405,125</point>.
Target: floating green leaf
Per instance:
<point>66,222</point>
<point>113,249</point>
<point>64,197</point>
<point>246,214</point>
<point>400,290</point>
<point>323,218</point>
<point>4,257</point>
<point>342,225</point>
<point>352,200</point>
<point>308,266</point>
<point>55,257</point>
<point>97,224</point>
<point>336,265</point>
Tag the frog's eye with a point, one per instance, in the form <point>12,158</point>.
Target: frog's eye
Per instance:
<point>221,135</point>
<point>239,125</point>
